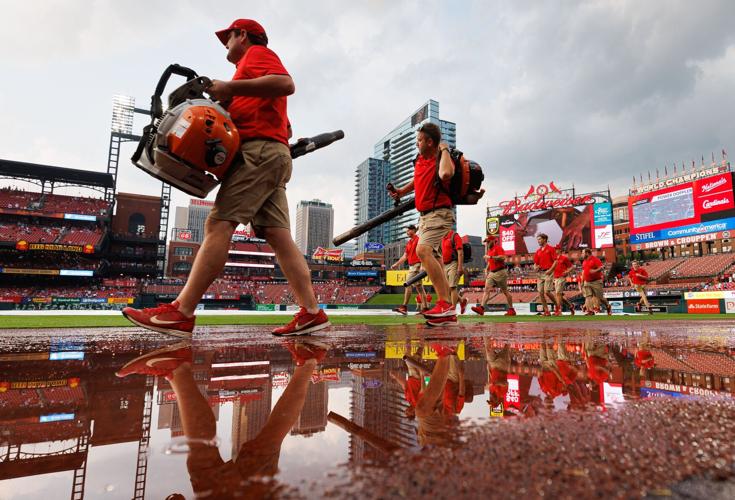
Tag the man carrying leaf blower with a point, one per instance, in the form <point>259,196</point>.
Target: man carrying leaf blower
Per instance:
<point>437,217</point>
<point>254,193</point>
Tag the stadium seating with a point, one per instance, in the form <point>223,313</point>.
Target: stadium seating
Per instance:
<point>80,236</point>
<point>709,265</point>
<point>52,203</point>
<point>657,268</point>
<point>32,234</point>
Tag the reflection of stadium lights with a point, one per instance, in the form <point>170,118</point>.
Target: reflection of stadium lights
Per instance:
<point>122,114</point>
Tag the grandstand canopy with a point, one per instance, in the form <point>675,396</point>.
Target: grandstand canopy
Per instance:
<point>23,170</point>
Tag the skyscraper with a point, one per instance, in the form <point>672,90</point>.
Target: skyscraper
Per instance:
<point>314,225</point>
<point>197,214</point>
<point>392,161</point>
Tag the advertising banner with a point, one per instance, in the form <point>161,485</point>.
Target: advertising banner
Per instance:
<point>703,306</point>
<point>730,306</point>
<point>714,294</point>
<point>265,307</point>
<point>703,206</point>
<point>398,278</point>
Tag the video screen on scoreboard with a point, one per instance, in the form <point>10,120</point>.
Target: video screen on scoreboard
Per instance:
<point>692,208</point>
<point>569,228</point>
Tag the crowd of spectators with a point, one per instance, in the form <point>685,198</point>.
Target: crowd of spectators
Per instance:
<point>50,233</point>
<point>48,260</point>
<point>16,199</point>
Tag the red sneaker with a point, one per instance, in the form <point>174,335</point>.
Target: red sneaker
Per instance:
<point>478,309</point>
<point>302,351</point>
<point>609,310</point>
<point>596,309</point>
<point>589,313</point>
<point>442,309</point>
<point>546,313</point>
<point>510,312</point>
<point>401,310</point>
<point>160,362</point>
<point>462,305</point>
<point>422,311</point>
<point>165,318</point>
<point>302,323</point>
<point>442,321</point>
<point>442,349</point>
<point>557,312</point>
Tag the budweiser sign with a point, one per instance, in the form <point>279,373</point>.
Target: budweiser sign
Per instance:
<point>706,188</point>
<point>515,206</point>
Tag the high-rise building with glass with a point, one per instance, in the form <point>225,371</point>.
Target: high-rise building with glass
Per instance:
<point>314,225</point>
<point>398,150</point>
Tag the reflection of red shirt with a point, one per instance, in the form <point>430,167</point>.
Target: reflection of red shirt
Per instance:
<point>412,391</point>
<point>568,372</point>
<point>544,257</point>
<point>498,383</point>
<point>644,359</point>
<point>590,263</point>
<point>638,276</point>
<point>550,384</point>
<point>453,402</point>
<point>596,369</point>
<point>259,117</point>
<point>563,264</point>
<point>424,183</point>
<point>450,244</point>
<point>495,265</point>
<point>411,255</point>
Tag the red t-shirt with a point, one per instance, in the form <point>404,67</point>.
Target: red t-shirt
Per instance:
<point>568,372</point>
<point>644,359</point>
<point>550,384</point>
<point>544,257</point>
<point>492,264</point>
<point>563,264</point>
<point>259,117</point>
<point>638,276</point>
<point>412,391</point>
<point>428,195</point>
<point>450,243</point>
<point>589,263</point>
<point>452,401</point>
<point>498,383</point>
<point>596,369</point>
<point>411,255</point>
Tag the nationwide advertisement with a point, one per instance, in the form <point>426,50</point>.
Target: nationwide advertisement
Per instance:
<point>571,221</point>
<point>688,210</point>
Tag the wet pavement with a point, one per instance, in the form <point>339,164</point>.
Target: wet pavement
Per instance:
<point>479,411</point>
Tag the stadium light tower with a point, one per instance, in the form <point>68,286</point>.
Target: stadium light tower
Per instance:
<point>123,111</point>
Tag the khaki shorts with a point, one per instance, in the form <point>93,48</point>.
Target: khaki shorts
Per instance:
<point>413,270</point>
<point>255,191</point>
<point>452,275</point>
<point>544,283</point>
<point>433,227</point>
<point>497,279</point>
<point>594,289</point>
<point>559,284</point>
<point>641,289</point>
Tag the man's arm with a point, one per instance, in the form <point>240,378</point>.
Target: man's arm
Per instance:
<point>263,86</point>
<point>401,191</point>
<point>446,164</point>
<point>400,261</point>
<point>460,261</point>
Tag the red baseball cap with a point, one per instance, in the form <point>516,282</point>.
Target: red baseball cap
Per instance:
<point>490,237</point>
<point>247,25</point>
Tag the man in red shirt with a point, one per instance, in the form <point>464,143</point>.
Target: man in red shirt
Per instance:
<point>544,261</point>
<point>437,216</point>
<point>496,276</point>
<point>253,193</point>
<point>562,269</point>
<point>453,260</point>
<point>638,278</point>
<point>414,268</point>
<point>498,366</point>
<point>592,277</point>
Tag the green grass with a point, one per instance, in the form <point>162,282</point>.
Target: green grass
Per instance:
<point>387,319</point>
<point>386,299</point>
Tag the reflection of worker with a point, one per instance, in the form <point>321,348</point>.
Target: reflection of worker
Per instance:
<point>544,261</point>
<point>413,383</point>
<point>643,358</point>
<point>595,355</point>
<point>209,474</point>
<point>254,193</point>
<point>414,268</point>
<point>550,380</point>
<point>431,417</point>
<point>496,276</point>
<point>498,365</point>
<point>638,278</point>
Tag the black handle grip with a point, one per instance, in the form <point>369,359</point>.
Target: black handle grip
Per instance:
<point>304,146</point>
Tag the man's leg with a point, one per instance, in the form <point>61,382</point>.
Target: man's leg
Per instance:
<point>407,295</point>
<point>508,297</point>
<point>422,294</point>
<point>209,262</point>
<point>435,270</point>
<point>293,265</point>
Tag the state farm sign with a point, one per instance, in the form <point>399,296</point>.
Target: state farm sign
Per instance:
<point>703,306</point>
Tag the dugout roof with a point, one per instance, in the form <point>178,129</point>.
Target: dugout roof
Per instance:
<point>23,170</point>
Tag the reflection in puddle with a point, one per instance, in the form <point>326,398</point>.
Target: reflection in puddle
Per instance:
<point>83,417</point>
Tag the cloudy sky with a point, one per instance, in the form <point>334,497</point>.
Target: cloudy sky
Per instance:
<point>584,93</point>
